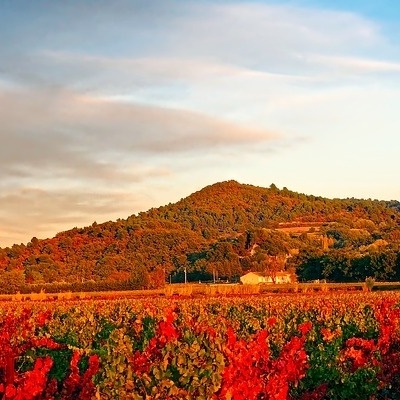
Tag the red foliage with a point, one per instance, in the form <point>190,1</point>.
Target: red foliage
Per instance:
<point>34,384</point>
<point>252,362</point>
<point>359,352</point>
<point>166,332</point>
<point>77,385</point>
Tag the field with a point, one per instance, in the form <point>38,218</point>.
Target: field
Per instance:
<point>314,345</point>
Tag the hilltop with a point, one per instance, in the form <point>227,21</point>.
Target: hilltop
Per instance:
<point>220,231</point>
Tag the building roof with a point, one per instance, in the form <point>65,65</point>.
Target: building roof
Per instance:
<point>278,273</point>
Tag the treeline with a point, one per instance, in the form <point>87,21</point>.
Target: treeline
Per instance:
<point>219,232</point>
<point>340,265</point>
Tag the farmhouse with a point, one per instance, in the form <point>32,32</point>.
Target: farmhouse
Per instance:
<point>254,278</point>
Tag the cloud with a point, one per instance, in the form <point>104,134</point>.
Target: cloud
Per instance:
<point>228,61</point>
<point>131,46</point>
<point>266,37</point>
<point>64,128</point>
<point>42,135</point>
<point>223,59</point>
<point>356,65</point>
<point>141,70</point>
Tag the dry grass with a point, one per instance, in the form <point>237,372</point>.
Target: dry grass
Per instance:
<point>17,297</point>
<point>38,296</point>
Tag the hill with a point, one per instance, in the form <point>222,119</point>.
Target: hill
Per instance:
<point>220,231</point>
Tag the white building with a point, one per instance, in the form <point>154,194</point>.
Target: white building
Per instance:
<point>254,278</point>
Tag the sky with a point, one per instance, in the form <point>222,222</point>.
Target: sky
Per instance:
<point>110,108</point>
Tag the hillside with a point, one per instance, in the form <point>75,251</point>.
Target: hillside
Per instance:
<point>220,231</point>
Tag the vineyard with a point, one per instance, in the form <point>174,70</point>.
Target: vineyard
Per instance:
<point>296,346</point>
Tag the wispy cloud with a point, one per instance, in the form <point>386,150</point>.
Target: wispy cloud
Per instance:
<point>356,65</point>
<point>186,42</point>
<point>56,126</point>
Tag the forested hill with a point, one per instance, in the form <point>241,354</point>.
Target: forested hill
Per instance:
<point>231,206</point>
<point>222,230</point>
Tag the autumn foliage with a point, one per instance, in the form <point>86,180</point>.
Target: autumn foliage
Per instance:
<point>318,346</point>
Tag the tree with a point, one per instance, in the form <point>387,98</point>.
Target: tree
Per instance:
<point>157,277</point>
<point>11,281</point>
<point>309,264</point>
<point>272,265</point>
<point>139,278</point>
